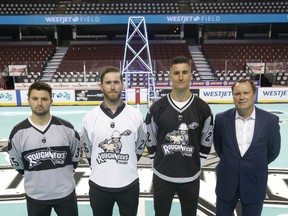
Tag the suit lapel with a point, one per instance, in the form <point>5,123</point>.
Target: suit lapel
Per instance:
<point>257,128</point>
<point>231,128</point>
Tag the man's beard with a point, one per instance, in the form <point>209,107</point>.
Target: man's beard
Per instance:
<point>40,113</point>
<point>112,97</point>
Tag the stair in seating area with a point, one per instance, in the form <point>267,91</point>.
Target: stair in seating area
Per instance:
<point>201,63</point>
<point>53,64</point>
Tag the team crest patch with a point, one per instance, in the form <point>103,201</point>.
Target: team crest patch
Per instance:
<point>112,148</point>
<point>112,124</point>
<point>178,140</point>
<point>37,157</point>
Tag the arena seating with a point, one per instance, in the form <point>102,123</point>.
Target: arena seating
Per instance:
<point>30,7</point>
<point>115,53</point>
<point>92,58</point>
<point>282,78</point>
<point>124,7</point>
<point>229,60</point>
<point>239,7</point>
<point>89,57</point>
<point>96,56</point>
<point>34,56</point>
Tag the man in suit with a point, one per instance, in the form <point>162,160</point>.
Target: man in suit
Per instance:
<point>246,140</point>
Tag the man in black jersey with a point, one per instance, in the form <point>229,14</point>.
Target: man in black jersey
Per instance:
<point>180,132</point>
<point>46,150</point>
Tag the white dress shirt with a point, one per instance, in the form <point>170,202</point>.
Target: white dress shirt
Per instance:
<point>244,131</point>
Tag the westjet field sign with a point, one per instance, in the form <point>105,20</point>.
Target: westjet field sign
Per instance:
<point>270,95</point>
<point>263,95</point>
<point>61,19</point>
<point>216,95</point>
<point>67,96</point>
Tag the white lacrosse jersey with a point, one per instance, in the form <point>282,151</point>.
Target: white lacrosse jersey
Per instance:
<point>112,143</point>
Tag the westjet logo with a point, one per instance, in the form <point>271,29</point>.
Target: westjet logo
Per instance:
<point>71,19</point>
<point>219,94</point>
<point>185,19</point>
<point>279,93</point>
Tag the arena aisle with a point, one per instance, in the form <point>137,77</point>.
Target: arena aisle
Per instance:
<point>12,202</point>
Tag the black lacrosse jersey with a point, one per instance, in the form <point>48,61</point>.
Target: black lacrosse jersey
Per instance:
<point>179,140</point>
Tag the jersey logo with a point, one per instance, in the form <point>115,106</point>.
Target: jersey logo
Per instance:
<point>112,124</point>
<point>178,140</point>
<point>37,157</point>
<point>112,148</point>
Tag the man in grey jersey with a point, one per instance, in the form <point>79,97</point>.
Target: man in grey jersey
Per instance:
<point>45,150</point>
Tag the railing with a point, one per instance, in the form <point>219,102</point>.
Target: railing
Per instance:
<point>89,71</point>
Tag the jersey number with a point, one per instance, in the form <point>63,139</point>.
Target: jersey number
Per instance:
<point>78,152</point>
<point>141,145</point>
<point>13,160</point>
<point>208,137</point>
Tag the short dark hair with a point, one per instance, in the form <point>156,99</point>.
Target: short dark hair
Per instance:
<point>110,69</point>
<point>180,60</point>
<point>39,85</point>
<point>243,81</point>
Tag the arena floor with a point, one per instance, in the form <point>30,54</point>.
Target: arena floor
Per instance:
<point>12,202</point>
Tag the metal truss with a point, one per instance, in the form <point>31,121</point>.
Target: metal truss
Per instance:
<point>137,59</point>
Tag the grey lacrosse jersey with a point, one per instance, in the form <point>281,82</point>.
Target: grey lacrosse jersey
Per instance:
<point>179,140</point>
<point>112,143</point>
<point>46,158</point>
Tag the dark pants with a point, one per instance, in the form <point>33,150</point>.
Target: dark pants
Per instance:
<point>164,192</point>
<point>102,202</point>
<point>63,207</point>
<point>226,208</point>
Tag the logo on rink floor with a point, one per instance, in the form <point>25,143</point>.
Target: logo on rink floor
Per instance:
<point>277,188</point>
<point>11,187</point>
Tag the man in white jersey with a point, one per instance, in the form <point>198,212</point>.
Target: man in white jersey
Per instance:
<point>114,136</point>
<point>180,127</point>
<point>46,150</point>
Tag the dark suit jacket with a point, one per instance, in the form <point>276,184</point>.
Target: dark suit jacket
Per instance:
<point>250,172</point>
